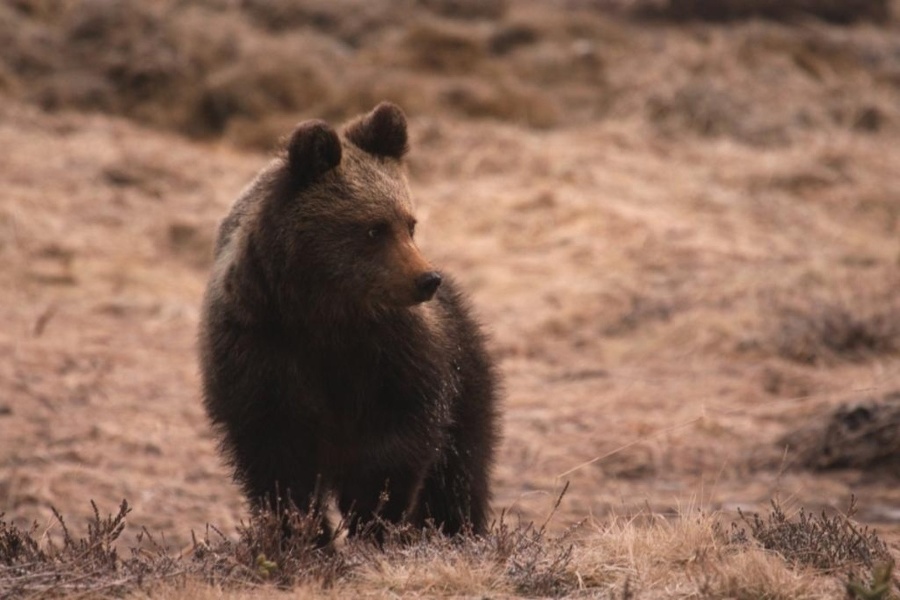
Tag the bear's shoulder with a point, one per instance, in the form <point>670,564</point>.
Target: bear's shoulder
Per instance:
<point>246,204</point>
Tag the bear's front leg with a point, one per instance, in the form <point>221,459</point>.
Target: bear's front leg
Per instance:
<point>276,463</point>
<point>370,500</point>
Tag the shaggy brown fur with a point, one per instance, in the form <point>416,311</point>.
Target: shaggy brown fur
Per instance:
<point>325,369</point>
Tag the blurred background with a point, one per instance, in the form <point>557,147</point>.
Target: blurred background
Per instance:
<point>247,69</point>
<point>678,218</point>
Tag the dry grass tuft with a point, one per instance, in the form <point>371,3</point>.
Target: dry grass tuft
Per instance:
<point>689,556</point>
<point>516,559</point>
<point>521,559</point>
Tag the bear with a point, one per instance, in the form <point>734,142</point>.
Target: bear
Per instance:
<point>337,364</point>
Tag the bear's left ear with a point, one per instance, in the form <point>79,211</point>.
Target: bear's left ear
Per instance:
<point>382,132</point>
<point>313,149</point>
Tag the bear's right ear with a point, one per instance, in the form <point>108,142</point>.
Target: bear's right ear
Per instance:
<point>314,148</point>
<point>382,132</point>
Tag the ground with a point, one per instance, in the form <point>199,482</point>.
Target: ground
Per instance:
<point>654,270</point>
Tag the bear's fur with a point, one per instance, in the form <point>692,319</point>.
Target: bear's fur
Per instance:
<point>326,371</point>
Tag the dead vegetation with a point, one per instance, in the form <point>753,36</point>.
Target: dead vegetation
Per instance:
<point>33,563</point>
<point>856,324</point>
<point>277,547</point>
<point>623,557</point>
<point>835,11</point>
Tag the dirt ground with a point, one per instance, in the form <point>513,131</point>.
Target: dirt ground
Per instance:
<point>683,238</point>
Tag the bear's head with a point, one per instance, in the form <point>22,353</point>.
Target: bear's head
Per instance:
<point>341,217</point>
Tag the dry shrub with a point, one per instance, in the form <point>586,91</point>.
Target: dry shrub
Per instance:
<point>187,67</point>
<point>835,11</point>
<point>77,565</point>
<point>280,545</point>
<point>468,81</point>
<point>829,544</point>
<point>352,21</point>
<point>508,37</point>
<point>269,79</point>
<point>43,10</point>
<point>819,330</point>
<point>125,58</point>
<point>864,435</point>
<point>442,47</point>
<point>467,9</point>
<point>29,50</point>
<point>239,69</point>
<point>275,547</point>
<point>713,111</point>
<point>278,15</point>
<point>248,71</point>
<point>817,52</point>
<point>478,99</point>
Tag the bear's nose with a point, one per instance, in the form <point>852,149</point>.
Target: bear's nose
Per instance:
<point>427,284</point>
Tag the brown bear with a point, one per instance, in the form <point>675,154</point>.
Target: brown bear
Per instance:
<point>336,362</point>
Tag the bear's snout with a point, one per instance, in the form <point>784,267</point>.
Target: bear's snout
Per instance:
<point>427,284</point>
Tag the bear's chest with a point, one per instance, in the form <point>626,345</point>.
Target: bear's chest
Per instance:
<point>383,425</point>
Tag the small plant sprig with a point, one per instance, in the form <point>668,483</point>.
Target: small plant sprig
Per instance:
<point>879,588</point>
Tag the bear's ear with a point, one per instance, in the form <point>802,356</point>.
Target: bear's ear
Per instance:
<point>382,132</point>
<point>313,149</point>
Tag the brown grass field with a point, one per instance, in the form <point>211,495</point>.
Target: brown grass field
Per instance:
<point>682,233</point>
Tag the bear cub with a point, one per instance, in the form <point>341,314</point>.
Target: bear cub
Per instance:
<point>337,363</point>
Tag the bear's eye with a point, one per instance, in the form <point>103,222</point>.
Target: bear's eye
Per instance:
<point>376,232</point>
<point>412,228</point>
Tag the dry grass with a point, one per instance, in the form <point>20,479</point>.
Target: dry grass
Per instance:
<point>647,556</point>
<point>689,557</point>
